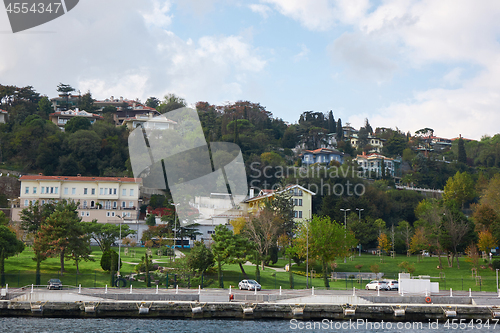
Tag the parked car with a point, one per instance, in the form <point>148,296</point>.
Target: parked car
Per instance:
<point>54,284</point>
<point>376,284</point>
<point>249,285</point>
<point>392,284</point>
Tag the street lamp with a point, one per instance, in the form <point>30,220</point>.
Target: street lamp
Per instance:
<point>345,225</point>
<point>119,244</point>
<point>175,226</point>
<point>360,210</point>
<point>307,254</point>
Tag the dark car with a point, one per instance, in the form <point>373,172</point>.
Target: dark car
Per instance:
<point>54,284</point>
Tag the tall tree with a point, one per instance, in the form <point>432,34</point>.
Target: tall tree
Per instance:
<point>9,246</point>
<point>456,228</point>
<point>462,156</point>
<point>332,125</point>
<point>64,91</point>
<point>105,234</point>
<point>459,188</point>
<point>171,102</point>
<point>340,131</point>
<point>221,248</point>
<point>327,241</point>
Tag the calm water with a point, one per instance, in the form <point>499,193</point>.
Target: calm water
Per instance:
<point>15,325</point>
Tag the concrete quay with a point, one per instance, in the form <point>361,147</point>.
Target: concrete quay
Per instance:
<point>266,304</point>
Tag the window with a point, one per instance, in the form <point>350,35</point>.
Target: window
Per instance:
<point>83,214</point>
<point>210,232</point>
<point>131,204</point>
<point>131,192</point>
<point>93,191</point>
<point>124,204</point>
<point>295,214</point>
<point>108,205</point>
<point>34,190</point>
<point>92,203</point>
<point>123,214</point>
<point>73,190</point>
<point>114,191</point>
<point>300,214</point>
<point>27,190</point>
<point>65,190</point>
<point>56,190</point>
<point>128,214</point>
<point>114,204</point>
<point>124,192</point>
<point>51,190</point>
<point>26,202</point>
<point>112,213</point>
<point>108,214</point>
<point>43,202</point>
<point>100,191</point>
<point>43,190</point>
<point>88,213</point>
<point>300,202</point>
<point>84,203</point>
<point>85,191</point>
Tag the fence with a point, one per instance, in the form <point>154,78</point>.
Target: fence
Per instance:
<point>269,279</point>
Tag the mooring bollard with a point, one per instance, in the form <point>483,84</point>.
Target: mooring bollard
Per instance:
<point>199,289</point>
<point>426,293</point>
<point>131,289</point>
<point>470,292</point>
<point>7,288</point>
<point>255,291</point>
<point>280,290</point>
<point>32,288</point>
<point>176,289</point>
<point>156,289</point>
<point>451,292</point>
<point>498,291</point>
<point>80,289</point>
<point>378,290</point>
<point>106,290</point>
<point>229,289</point>
<point>313,290</point>
<point>353,291</point>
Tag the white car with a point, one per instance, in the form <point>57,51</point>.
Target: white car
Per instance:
<point>392,284</point>
<point>376,284</point>
<point>249,285</point>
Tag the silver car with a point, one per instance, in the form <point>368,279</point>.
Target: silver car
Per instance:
<point>376,284</point>
<point>249,285</point>
<point>392,284</point>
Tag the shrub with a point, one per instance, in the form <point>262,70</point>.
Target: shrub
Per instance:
<point>106,260</point>
<point>496,264</point>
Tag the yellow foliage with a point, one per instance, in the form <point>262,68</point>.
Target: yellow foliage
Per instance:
<point>383,243</point>
<point>486,241</point>
<point>238,224</point>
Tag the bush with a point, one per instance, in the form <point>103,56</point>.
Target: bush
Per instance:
<point>167,251</point>
<point>496,264</point>
<point>106,260</point>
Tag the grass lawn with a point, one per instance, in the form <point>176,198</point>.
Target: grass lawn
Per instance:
<point>20,271</point>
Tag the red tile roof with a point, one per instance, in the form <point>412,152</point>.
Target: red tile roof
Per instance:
<point>83,179</point>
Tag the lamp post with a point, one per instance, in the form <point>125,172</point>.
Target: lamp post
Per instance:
<point>345,226</point>
<point>359,210</point>
<point>175,227</point>
<point>307,257</point>
<point>119,244</point>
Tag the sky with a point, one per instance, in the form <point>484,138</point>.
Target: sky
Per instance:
<point>399,63</point>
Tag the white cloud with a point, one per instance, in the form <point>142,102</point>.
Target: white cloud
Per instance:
<point>304,51</point>
<point>130,55</point>
<point>260,9</point>
<point>453,76</point>
<point>366,58</point>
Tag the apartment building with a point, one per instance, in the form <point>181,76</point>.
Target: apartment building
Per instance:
<point>106,199</point>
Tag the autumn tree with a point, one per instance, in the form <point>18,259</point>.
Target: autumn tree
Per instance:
<point>460,188</point>
<point>419,241</point>
<point>430,217</point>
<point>384,244</point>
<point>486,241</point>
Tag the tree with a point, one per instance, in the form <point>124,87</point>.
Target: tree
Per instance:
<point>327,241</point>
<point>109,261</point>
<point>332,125</point>
<point>60,232</point>
<point>419,241</point>
<point>221,248</point>
<point>462,156</point>
<point>460,188</point>
<point>486,241</point>
<point>200,258</point>
<point>171,102</point>
<point>9,246</point>
<point>86,102</point>
<point>340,131</point>
<point>456,229</point>
<point>383,243</point>
<point>152,102</point>
<point>64,91</point>
<point>105,234</point>
<point>404,230</point>
<point>151,220</point>
<point>45,107</point>
<point>32,219</point>
<point>76,124</point>
<point>263,230</point>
